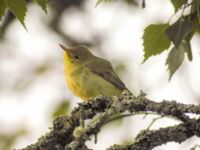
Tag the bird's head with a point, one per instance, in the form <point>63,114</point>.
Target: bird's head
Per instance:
<point>77,55</point>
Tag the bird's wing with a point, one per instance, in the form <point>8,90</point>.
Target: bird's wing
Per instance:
<point>106,71</point>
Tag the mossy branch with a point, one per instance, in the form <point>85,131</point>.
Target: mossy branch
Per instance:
<point>100,110</point>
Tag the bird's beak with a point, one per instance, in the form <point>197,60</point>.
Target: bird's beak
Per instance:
<point>68,50</point>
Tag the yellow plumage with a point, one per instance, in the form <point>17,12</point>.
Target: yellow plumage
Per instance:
<point>89,76</point>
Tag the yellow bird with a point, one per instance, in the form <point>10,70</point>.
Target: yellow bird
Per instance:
<point>89,76</point>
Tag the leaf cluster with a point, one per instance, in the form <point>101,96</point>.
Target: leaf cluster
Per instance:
<point>175,36</point>
<point>19,8</point>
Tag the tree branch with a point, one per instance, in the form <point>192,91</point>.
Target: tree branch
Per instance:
<point>147,139</point>
<point>101,109</point>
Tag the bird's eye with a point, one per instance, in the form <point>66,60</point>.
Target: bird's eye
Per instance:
<point>76,57</point>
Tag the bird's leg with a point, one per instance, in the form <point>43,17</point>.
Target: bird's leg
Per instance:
<point>81,117</point>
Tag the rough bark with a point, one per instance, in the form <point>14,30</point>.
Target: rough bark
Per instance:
<point>67,135</point>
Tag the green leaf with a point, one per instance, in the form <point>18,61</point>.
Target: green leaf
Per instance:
<point>197,4</point>
<point>18,8</point>
<point>187,43</point>
<point>43,4</point>
<point>61,109</point>
<point>175,59</point>
<point>143,4</point>
<point>2,8</point>
<point>155,40</point>
<point>100,1</point>
<point>178,3</point>
<point>188,49</point>
<point>179,30</point>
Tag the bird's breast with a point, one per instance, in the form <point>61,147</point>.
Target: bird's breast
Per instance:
<point>78,82</point>
<point>86,84</point>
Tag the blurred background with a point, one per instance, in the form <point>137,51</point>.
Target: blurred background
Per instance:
<point>33,89</point>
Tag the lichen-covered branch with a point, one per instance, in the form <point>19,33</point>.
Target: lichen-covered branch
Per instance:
<point>101,110</point>
<point>147,139</point>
